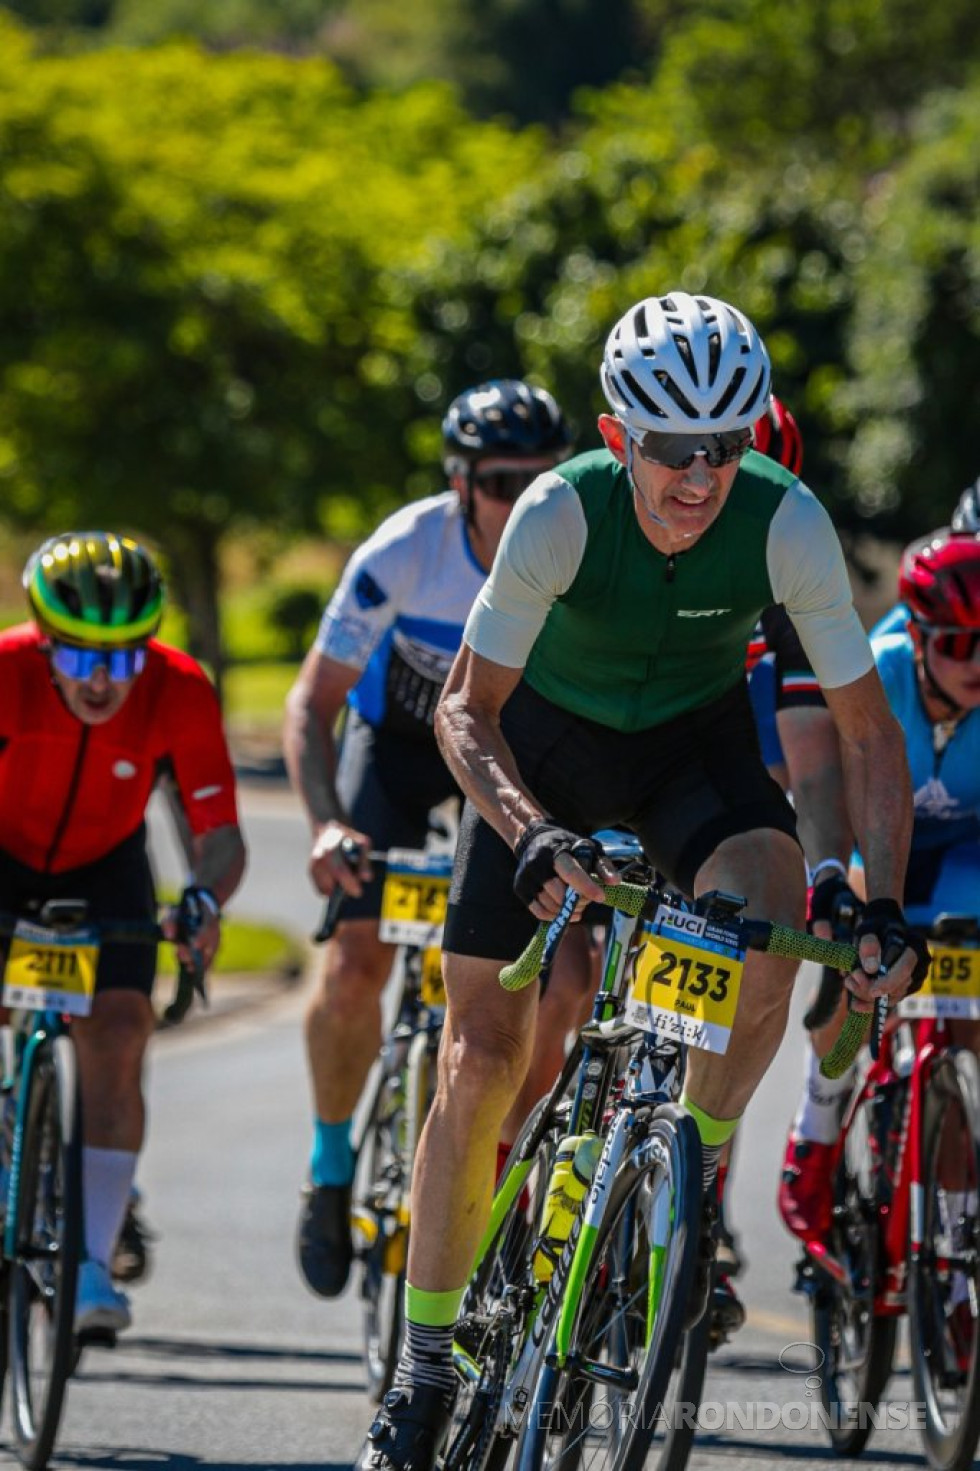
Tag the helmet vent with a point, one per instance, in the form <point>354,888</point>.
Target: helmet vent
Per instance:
<point>640,395</point>
<point>723,404</point>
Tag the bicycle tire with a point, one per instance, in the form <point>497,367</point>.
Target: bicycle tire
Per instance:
<point>48,1242</point>
<point>945,1342</point>
<point>383,1203</point>
<point>612,1316</point>
<point>487,1334</point>
<point>857,1346</point>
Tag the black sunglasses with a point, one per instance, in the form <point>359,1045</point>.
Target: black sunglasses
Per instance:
<point>504,485</point>
<point>960,644</point>
<point>677,451</point>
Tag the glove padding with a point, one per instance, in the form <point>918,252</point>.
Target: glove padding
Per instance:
<point>834,901</point>
<point>541,843</point>
<point>884,919</point>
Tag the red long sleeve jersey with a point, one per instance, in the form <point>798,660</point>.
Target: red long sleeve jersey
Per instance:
<point>70,792</point>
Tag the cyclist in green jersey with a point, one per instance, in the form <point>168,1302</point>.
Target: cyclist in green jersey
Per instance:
<point>601,681</point>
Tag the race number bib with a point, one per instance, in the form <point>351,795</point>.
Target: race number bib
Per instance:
<point>432,990</point>
<point>413,902</point>
<point>951,989</point>
<point>687,980</point>
<point>50,971</point>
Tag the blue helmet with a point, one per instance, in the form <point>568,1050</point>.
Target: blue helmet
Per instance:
<point>504,418</point>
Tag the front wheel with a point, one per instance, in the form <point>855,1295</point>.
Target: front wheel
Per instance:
<point>944,1283</point>
<point>606,1407</point>
<point>44,1268</point>
<point>855,1345</point>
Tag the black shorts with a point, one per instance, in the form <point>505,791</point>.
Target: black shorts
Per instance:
<point>388,785</point>
<point>118,886</point>
<point>682,787</point>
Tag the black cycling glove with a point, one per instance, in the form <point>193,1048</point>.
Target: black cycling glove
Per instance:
<point>538,847</point>
<point>834,901</point>
<point>884,919</point>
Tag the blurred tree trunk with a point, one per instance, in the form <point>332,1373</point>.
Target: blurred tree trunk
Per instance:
<point>194,574</point>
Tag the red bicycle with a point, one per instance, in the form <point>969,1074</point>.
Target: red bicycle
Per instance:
<point>906,1228</point>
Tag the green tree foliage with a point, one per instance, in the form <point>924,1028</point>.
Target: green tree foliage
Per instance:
<point>915,341</point>
<point>195,327</point>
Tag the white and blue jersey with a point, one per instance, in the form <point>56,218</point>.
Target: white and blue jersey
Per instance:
<point>944,870</point>
<point>399,611</point>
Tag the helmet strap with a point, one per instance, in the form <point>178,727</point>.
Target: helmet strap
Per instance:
<point>630,449</point>
<point>934,688</point>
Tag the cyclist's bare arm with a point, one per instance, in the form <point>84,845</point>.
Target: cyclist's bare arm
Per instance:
<point>217,863</point>
<point>473,745</point>
<point>812,748</point>
<point>312,707</point>
<point>879,800</point>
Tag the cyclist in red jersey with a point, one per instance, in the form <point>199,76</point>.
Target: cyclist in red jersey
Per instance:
<point>95,711</point>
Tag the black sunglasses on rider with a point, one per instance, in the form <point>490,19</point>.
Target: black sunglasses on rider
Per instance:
<point>677,451</point>
<point>504,485</point>
<point>960,644</point>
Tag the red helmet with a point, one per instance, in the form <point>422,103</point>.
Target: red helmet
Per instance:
<point>939,580</point>
<point>777,435</point>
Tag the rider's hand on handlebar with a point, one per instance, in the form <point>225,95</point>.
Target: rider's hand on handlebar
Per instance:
<point>207,930</point>
<point>885,940</point>
<point>550,858</point>
<point>330,865</point>
<point>834,909</point>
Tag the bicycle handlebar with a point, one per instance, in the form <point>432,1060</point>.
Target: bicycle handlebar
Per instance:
<point>190,978</point>
<point>754,934</point>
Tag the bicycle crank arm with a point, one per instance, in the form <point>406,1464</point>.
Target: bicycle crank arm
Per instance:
<point>626,1380</point>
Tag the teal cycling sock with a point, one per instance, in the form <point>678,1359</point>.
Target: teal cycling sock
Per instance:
<point>332,1160</point>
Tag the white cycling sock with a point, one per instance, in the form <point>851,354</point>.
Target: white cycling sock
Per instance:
<point>107,1178</point>
<point>822,1102</point>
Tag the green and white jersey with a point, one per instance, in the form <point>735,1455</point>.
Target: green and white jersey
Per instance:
<point>609,628</point>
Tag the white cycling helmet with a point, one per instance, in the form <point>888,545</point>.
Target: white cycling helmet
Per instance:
<point>680,364</point>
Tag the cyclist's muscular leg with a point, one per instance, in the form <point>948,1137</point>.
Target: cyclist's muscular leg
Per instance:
<point>343,1034</point>
<point>766,867</point>
<point>343,1018</point>
<point>563,1008</point>
<point>483,1060</point>
<point>110,1046</point>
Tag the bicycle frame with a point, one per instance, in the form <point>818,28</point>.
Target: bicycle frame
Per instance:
<point>901,1217</point>
<point>46,1027</point>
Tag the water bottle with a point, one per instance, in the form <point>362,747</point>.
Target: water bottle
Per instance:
<point>571,1177</point>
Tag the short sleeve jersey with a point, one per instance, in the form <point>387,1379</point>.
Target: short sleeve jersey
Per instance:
<point>610,628</point>
<point>398,613</point>
<point>71,792</point>
<point>946,783</point>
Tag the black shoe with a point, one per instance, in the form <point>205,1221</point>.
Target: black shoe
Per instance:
<point>324,1248</point>
<point>131,1257</point>
<point>727,1312</point>
<point>701,1284</point>
<point>409,1431</point>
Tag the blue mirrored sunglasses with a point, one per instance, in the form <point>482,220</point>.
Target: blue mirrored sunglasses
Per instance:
<point>119,664</point>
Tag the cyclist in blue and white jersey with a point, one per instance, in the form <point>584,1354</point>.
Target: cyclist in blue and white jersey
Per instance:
<point>385,645</point>
<point>930,670</point>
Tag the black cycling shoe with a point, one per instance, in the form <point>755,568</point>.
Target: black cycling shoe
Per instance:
<point>727,1312</point>
<point>408,1432</point>
<point>701,1284</point>
<point>131,1256</point>
<point>324,1248</point>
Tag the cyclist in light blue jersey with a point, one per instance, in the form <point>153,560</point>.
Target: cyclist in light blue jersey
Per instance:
<point>930,670</point>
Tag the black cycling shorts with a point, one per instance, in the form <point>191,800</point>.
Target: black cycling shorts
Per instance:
<point>118,886</point>
<point>387,785</point>
<point>682,787</point>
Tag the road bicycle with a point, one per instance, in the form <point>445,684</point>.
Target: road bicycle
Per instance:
<point>584,1362</point>
<point>413,909</point>
<point>49,977</point>
<point>905,1233</point>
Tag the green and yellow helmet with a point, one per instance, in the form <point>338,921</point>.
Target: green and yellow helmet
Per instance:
<point>95,589</point>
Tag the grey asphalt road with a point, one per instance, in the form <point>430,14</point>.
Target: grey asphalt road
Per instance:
<point>231,1363</point>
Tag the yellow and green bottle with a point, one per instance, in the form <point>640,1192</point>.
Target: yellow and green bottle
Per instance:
<point>571,1177</point>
